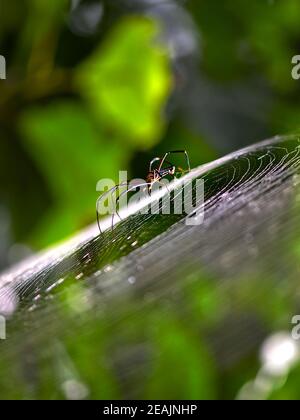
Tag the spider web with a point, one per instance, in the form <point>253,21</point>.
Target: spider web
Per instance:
<point>230,283</point>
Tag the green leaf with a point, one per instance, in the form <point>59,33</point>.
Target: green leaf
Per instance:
<point>127,81</point>
<point>73,155</point>
<point>183,368</point>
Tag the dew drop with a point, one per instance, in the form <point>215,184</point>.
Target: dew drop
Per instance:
<point>131,280</point>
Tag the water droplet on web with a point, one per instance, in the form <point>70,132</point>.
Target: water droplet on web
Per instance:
<point>131,280</point>
<point>75,390</point>
<point>296,180</point>
<point>32,308</point>
<point>97,273</point>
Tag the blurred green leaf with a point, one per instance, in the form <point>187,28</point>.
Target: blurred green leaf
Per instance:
<point>42,17</point>
<point>183,368</point>
<point>127,81</point>
<point>73,155</point>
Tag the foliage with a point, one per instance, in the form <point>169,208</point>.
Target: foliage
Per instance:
<point>120,74</point>
<point>101,86</point>
<point>127,81</point>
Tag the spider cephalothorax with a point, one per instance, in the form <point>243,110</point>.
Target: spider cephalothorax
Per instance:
<point>156,174</point>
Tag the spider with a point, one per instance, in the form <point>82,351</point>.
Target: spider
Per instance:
<point>154,175</point>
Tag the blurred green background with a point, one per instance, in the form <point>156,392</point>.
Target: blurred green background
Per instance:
<point>94,87</point>
<point>98,86</point>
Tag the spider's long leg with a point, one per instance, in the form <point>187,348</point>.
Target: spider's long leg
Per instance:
<point>176,151</point>
<point>149,187</point>
<point>133,187</point>
<point>104,195</point>
<point>156,159</point>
